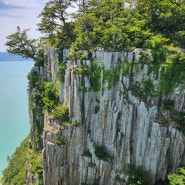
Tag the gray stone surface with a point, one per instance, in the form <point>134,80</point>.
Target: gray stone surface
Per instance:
<point>124,125</point>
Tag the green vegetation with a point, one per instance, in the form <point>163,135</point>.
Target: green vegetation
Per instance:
<point>22,159</point>
<point>137,176</point>
<point>107,24</point>
<point>91,164</point>
<point>70,124</point>
<point>101,153</point>
<point>177,117</point>
<point>95,76</point>
<point>115,27</point>
<point>36,165</point>
<point>50,96</point>
<point>177,179</point>
<point>60,141</point>
<point>18,43</point>
<point>82,70</point>
<point>144,89</point>
<point>37,85</point>
<point>111,76</point>
<point>61,70</point>
<point>156,26</point>
<point>96,109</point>
<point>145,57</point>
<point>61,112</point>
<point>15,171</point>
<point>87,153</point>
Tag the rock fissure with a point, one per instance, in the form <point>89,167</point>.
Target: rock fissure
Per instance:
<point>118,115</point>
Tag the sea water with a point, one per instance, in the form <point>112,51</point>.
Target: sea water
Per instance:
<point>14,119</point>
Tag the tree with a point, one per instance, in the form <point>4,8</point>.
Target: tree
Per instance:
<point>54,20</point>
<point>86,6</point>
<point>165,16</point>
<point>18,43</point>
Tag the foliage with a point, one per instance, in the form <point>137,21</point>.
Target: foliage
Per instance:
<point>36,164</point>
<point>60,141</point>
<point>61,112</point>
<point>157,26</point>
<point>176,116</point>
<point>38,124</point>
<point>111,76</point>
<point>110,25</point>
<point>61,71</point>
<point>96,109</point>
<point>137,176</point>
<point>91,164</point>
<point>51,96</point>
<point>148,87</point>
<point>164,16</point>
<point>76,54</point>
<point>70,124</point>
<point>145,57</point>
<point>177,179</point>
<point>18,43</point>
<point>101,153</point>
<point>36,83</point>
<point>143,89</point>
<point>95,76</point>
<point>54,23</point>
<point>87,153</point>
<point>82,70</point>
<point>15,171</point>
<point>172,71</point>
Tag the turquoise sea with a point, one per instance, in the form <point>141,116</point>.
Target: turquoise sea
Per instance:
<point>14,120</point>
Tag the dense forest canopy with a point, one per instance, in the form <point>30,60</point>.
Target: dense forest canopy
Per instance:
<point>110,24</point>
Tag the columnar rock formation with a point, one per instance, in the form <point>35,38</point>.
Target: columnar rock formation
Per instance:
<point>114,116</point>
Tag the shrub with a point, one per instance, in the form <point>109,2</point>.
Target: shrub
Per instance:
<point>51,96</point>
<point>96,109</point>
<point>95,76</point>
<point>87,153</point>
<point>70,124</point>
<point>169,104</point>
<point>91,164</point>
<point>36,164</point>
<point>61,112</point>
<point>74,124</point>
<point>60,141</point>
<point>60,70</point>
<point>82,70</point>
<point>145,57</point>
<point>179,178</point>
<point>101,153</point>
<point>137,175</point>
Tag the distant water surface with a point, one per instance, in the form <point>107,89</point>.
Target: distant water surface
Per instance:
<point>14,120</point>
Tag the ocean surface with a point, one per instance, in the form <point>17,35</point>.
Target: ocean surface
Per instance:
<point>14,120</point>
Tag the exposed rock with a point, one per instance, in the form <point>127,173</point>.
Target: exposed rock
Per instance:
<point>115,118</point>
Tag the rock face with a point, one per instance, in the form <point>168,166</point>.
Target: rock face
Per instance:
<point>115,117</point>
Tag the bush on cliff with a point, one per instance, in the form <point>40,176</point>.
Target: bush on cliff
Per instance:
<point>51,96</point>
<point>61,112</point>
<point>177,179</point>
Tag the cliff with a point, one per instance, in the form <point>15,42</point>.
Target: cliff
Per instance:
<point>118,117</point>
